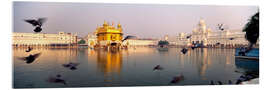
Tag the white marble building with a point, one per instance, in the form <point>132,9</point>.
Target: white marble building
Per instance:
<point>43,39</point>
<point>139,42</point>
<point>205,36</point>
<point>91,39</point>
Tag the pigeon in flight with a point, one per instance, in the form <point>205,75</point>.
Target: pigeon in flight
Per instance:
<point>220,27</point>
<point>184,50</point>
<point>56,79</point>
<point>193,47</point>
<point>29,49</point>
<point>129,37</point>
<point>177,79</point>
<point>188,36</point>
<point>71,65</point>
<point>158,67</point>
<point>36,23</point>
<point>31,58</point>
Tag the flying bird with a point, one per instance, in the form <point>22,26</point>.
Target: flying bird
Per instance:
<point>177,79</point>
<point>71,65</point>
<point>238,81</point>
<point>29,49</point>
<point>36,23</point>
<point>241,79</point>
<point>129,37</point>
<point>193,47</point>
<point>220,27</point>
<point>249,77</point>
<point>158,67</point>
<point>56,79</point>
<point>188,36</point>
<point>184,50</point>
<point>31,58</point>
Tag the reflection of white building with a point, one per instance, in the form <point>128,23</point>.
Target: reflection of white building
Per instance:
<point>203,35</point>
<point>43,39</point>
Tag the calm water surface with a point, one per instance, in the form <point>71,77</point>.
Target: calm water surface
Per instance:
<point>132,67</point>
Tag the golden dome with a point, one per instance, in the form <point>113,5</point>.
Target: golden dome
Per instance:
<point>202,22</point>
<point>108,29</point>
<point>107,34</point>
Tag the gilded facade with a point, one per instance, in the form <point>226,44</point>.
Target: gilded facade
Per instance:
<point>109,35</point>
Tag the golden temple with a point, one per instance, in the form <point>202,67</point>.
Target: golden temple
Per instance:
<point>108,35</point>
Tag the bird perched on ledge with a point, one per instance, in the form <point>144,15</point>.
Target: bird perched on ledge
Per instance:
<point>36,23</point>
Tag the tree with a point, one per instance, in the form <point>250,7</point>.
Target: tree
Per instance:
<point>163,43</point>
<point>252,30</point>
<point>81,42</point>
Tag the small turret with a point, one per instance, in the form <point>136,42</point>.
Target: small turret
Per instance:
<point>105,24</point>
<point>112,23</point>
<point>119,25</point>
<point>202,26</point>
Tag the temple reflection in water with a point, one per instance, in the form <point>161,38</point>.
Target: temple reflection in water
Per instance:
<point>204,58</point>
<point>109,62</point>
<point>126,67</point>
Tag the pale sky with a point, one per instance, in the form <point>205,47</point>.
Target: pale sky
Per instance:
<point>142,20</point>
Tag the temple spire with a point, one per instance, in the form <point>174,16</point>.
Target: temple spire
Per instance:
<point>112,23</point>
<point>119,25</point>
<point>105,23</point>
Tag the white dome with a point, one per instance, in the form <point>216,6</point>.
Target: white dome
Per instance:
<point>202,22</point>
